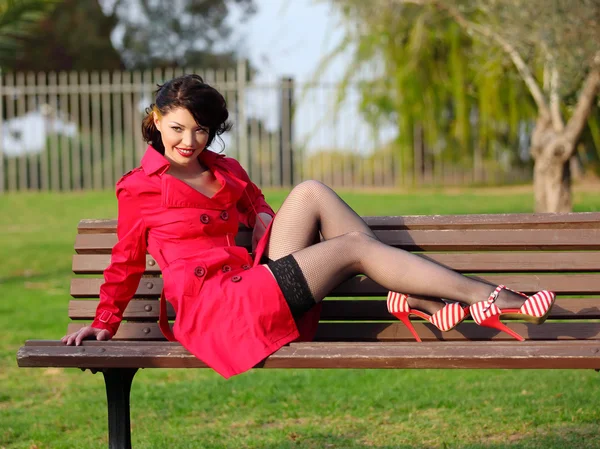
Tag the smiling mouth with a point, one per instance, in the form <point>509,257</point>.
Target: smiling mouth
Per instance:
<point>185,152</point>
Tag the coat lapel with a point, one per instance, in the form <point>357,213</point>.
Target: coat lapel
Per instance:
<point>176,193</point>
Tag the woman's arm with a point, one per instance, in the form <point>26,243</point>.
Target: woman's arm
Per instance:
<point>121,278</point>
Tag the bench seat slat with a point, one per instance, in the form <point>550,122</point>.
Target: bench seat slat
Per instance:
<point>396,331</point>
<point>551,355</point>
<point>573,284</point>
<point>427,240</point>
<point>515,261</point>
<point>362,310</point>
<point>579,220</point>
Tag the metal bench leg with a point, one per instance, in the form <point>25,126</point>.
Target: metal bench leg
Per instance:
<point>118,385</point>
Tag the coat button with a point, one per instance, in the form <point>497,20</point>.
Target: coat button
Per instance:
<point>236,278</point>
<point>246,267</point>
<point>204,218</point>
<point>226,268</point>
<point>199,271</point>
<point>225,215</point>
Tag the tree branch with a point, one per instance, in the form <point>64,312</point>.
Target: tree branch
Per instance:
<point>506,46</point>
<point>591,87</point>
<point>557,120</point>
<point>552,77</point>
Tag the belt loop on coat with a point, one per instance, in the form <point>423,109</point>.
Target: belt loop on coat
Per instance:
<point>163,320</point>
<point>162,262</point>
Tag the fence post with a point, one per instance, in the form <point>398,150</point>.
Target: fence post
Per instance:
<point>286,147</point>
<point>242,125</point>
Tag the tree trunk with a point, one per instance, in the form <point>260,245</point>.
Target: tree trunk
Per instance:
<point>552,186</point>
<point>552,170</point>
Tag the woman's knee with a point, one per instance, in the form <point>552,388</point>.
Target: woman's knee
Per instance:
<point>358,240</point>
<point>356,248</point>
<point>358,236</point>
<point>309,189</point>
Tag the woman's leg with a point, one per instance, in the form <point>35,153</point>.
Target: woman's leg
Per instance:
<point>311,209</point>
<point>327,264</point>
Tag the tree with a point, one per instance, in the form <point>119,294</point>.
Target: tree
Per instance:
<point>554,48</point>
<point>182,33</point>
<point>447,98</point>
<point>18,20</point>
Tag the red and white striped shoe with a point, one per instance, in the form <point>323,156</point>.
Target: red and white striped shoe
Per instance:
<point>445,319</point>
<point>535,310</point>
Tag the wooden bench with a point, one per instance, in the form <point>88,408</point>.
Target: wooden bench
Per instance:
<point>527,252</point>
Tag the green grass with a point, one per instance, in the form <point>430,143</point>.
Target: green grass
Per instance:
<point>56,408</point>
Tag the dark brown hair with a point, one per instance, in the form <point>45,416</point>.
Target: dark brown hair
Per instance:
<point>205,103</point>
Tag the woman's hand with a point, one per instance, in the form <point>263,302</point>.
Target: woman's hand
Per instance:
<point>259,228</point>
<point>88,331</point>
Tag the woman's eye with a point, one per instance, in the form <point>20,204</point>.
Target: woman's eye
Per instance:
<point>176,128</point>
<point>202,131</point>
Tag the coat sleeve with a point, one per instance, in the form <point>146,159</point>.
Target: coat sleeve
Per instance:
<point>128,263</point>
<point>252,201</point>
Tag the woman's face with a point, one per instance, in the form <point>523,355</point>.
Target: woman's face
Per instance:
<point>182,137</point>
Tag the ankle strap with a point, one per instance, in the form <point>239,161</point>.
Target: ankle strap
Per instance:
<point>493,296</point>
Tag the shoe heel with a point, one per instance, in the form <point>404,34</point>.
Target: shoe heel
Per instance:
<point>406,320</point>
<point>495,323</point>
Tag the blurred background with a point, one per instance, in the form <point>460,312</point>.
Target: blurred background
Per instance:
<point>356,94</point>
<point>406,107</point>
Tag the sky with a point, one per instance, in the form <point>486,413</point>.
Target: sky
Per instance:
<point>290,37</point>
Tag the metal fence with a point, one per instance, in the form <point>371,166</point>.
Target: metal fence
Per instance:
<point>76,131</point>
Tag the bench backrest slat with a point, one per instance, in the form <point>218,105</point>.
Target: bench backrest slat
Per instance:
<point>579,220</point>
<point>338,310</point>
<point>427,240</point>
<point>575,284</point>
<point>469,262</point>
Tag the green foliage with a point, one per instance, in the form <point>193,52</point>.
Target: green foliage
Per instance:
<point>75,36</point>
<point>177,34</point>
<point>561,35</point>
<point>448,97</point>
<point>18,20</point>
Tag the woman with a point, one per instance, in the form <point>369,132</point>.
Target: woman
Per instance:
<point>183,206</point>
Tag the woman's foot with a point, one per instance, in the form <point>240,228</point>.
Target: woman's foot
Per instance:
<point>425,303</point>
<point>508,299</point>
<point>534,308</point>
<point>443,316</point>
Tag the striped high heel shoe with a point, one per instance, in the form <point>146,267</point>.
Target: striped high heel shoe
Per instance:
<point>445,319</point>
<point>535,310</point>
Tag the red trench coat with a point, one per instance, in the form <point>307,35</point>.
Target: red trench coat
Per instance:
<point>231,313</point>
